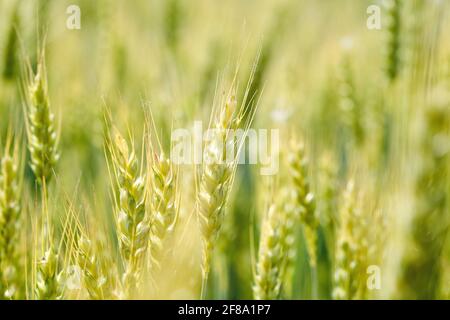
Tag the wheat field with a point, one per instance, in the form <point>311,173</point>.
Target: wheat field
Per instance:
<point>348,196</point>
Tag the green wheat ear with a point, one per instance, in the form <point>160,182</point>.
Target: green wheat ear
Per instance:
<point>163,205</point>
<point>271,256</point>
<point>48,274</point>
<point>352,112</point>
<point>277,249</point>
<point>42,137</point>
<point>132,220</point>
<point>304,198</point>
<point>48,284</point>
<point>215,184</point>
<point>10,223</point>
<point>97,277</point>
<point>173,15</point>
<point>421,270</point>
<point>345,260</point>
<point>352,250</point>
<point>11,48</point>
<point>393,42</point>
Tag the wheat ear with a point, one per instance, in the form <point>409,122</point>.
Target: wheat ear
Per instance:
<point>304,198</point>
<point>48,286</point>
<point>291,219</point>
<point>131,216</point>
<point>42,137</point>
<point>163,204</point>
<point>351,108</point>
<point>351,252</point>
<point>10,223</point>
<point>96,279</point>
<point>48,278</point>
<point>420,274</point>
<point>272,256</point>
<point>11,48</point>
<point>216,179</point>
<point>393,12</point>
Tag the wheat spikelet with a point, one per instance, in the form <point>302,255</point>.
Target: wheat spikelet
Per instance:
<point>10,223</point>
<point>42,137</point>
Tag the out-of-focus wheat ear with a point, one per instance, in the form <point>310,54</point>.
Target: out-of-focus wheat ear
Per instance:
<point>48,284</point>
<point>351,109</point>
<point>420,269</point>
<point>11,50</point>
<point>10,219</point>
<point>304,198</point>
<point>272,256</point>
<point>78,254</point>
<point>351,256</point>
<point>173,17</point>
<point>289,230</point>
<point>99,276</point>
<point>92,276</point>
<point>327,203</point>
<point>345,251</point>
<point>393,9</point>
<point>40,124</point>
<point>95,279</point>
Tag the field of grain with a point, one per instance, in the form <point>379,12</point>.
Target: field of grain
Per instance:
<point>348,196</point>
